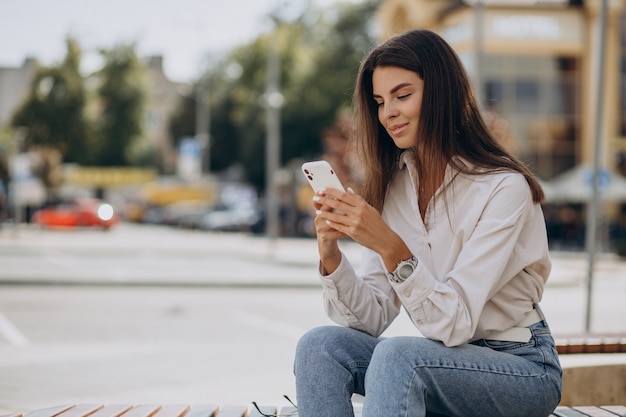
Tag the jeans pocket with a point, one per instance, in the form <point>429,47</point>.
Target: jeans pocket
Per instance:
<point>504,346</point>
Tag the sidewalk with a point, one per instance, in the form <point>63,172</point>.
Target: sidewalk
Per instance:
<point>154,255</point>
<point>149,331</point>
<point>151,255</point>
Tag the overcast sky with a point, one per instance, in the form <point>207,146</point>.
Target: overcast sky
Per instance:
<point>183,31</point>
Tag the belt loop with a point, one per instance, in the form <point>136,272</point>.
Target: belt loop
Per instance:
<point>540,311</point>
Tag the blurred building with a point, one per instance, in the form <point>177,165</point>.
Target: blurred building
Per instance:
<point>534,64</point>
<point>163,97</point>
<point>14,86</point>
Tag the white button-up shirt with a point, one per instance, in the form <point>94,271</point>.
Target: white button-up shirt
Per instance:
<point>483,260</point>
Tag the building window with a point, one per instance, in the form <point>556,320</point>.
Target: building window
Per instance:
<point>539,98</point>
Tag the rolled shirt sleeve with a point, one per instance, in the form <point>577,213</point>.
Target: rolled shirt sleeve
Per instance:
<point>364,301</point>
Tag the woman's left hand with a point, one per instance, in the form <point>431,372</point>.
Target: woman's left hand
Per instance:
<point>354,217</point>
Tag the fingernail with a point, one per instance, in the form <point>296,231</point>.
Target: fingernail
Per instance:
<point>328,222</point>
<point>318,211</point>
<point>316,198</point>
<point>350,190</point>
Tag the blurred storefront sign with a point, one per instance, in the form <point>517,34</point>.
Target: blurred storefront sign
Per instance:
<point>507,30</point>
<point>102,177</point>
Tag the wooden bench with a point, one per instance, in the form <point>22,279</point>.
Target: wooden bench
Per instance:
<point>208,410</point>
<point>150,410</point>
<point>590,343</point>
<point>604,411</point>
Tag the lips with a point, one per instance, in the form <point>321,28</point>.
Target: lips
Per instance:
<point>396,130</point>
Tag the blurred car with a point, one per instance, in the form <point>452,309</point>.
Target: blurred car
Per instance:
<point>82,212</point>
<point>241,217</point>
<point>175,214</point>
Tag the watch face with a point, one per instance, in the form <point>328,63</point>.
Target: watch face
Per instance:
<point>405,271</point>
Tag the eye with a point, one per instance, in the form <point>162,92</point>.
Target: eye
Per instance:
<point>404,96</point>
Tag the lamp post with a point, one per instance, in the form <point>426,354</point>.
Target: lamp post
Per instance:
<point>594,204</point>
<point>478,50</point>
<point>203,123</point>
<point>273,101</point>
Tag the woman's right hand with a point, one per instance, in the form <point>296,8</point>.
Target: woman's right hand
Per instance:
<point>327,237</point>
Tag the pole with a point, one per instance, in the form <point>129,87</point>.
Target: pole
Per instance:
<point>594,203</point>
<point>203,123</point>
<point>273,103</point>
<point>478,50</point>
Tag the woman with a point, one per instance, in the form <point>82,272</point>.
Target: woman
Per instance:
<point>453,233</point>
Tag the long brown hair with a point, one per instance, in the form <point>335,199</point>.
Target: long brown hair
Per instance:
<point>450,121</point>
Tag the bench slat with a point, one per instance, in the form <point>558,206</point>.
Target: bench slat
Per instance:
<point>203,410</point>
<point>143,410</point>
<point>175,410</point>
<point>82,410</point>
<point>562,411</point>
<point>289,411</point>
<point>232,411</point>
<point>620,410</point>
<point>595,411</point>
<point>114,410</point>
<point>50,412</point>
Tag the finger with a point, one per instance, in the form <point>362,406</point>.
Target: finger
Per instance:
<point>333,193</point>
<point>331,204</point>
<point>326,232</point>
<point>319,202</point>
<point>349,197</point>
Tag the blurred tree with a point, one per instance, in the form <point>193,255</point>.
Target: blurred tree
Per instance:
<point>54,110</point>
<point>49,169</point>
<point>319,51</point>
<point>122,97</point>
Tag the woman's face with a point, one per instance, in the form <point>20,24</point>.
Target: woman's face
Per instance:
<point>398,93</point>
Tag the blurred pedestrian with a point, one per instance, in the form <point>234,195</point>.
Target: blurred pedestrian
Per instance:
<point>452,232</point>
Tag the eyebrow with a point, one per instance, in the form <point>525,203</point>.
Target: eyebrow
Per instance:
<point>396,88</point>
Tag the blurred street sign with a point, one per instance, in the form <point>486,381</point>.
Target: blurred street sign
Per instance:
<point>189,164</point>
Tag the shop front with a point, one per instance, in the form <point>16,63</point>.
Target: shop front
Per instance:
<point>535,68</point>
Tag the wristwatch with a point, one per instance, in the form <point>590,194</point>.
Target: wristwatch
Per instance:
<point>403,270</point>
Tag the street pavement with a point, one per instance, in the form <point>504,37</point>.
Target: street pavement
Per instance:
<point>165,256</point>
<point>142,255</point>
<point>144,313</point>
<point>170,256</point>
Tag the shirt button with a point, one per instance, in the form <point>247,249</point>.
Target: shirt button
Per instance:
<point>407,293</point>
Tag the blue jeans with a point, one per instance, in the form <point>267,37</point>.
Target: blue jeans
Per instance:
<point>414,376</point>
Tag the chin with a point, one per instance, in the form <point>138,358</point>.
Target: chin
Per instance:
<point>403,145</point>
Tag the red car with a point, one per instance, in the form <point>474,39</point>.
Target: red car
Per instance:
<point>84,212</point>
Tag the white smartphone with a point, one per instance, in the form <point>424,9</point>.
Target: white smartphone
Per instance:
<point>321,175</point>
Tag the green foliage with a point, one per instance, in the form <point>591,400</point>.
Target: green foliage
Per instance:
<point>319,58</point>
<point>123,96</point>
<point>54,111</point>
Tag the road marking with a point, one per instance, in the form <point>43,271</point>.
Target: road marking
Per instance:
<point>11,333</point>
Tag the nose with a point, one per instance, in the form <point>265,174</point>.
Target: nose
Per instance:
<point>387,111</point>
